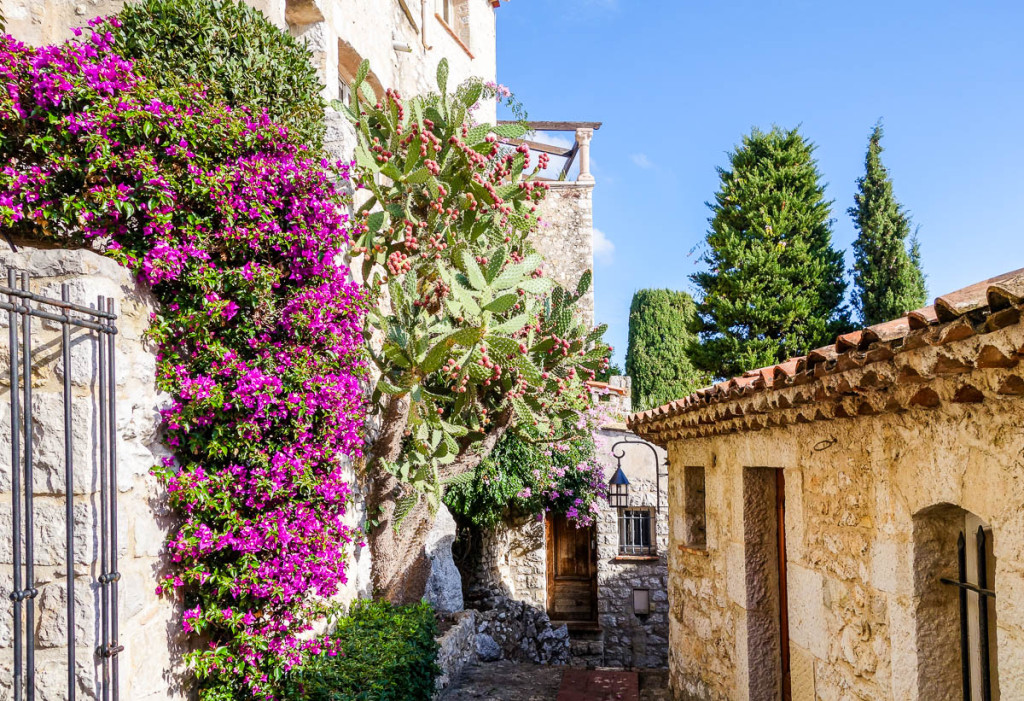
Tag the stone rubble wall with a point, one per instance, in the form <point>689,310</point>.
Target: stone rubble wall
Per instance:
<point>859,493</point>
<point>566,237</point>
<point>150,666</point>
<point>514,630</point>
<point>457,648</point>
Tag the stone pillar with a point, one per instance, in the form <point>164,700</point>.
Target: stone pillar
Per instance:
<point>583,137</point>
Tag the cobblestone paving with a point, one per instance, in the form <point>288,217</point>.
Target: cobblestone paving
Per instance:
<point>512,681</point>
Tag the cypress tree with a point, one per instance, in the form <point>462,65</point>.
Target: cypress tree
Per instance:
<point>774,285</point>
<point>887,274</point>
<point>661,332</point>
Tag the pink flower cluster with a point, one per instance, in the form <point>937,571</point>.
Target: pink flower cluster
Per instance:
<point>241,234</point>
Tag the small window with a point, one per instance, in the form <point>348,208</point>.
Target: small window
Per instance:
<point>694,508</point>
<point>455,15</point>
<point>344,92</point>
<point>635,532</point>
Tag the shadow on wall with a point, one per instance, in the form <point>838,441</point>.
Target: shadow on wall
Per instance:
<point>634,613</point>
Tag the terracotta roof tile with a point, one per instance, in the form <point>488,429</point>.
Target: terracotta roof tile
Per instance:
<point>996,297</point>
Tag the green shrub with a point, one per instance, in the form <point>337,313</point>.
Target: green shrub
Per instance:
<point>661,335</point>
<point>388,653</point>
<point>230,48</point>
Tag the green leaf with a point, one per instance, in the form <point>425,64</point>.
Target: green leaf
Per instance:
<point>584,284</point>
<point>387,388</point>
<point>472,95</point>
<point>442,76</point>
<point>512,325</point>
<point>362,72</point>
<point>478,133</point>
<point>536,285</point>
<point>502,304</point>
<point>502,346</point>
<point>511,131</point>
<point>419,176</point>
<point>473,272</point>
<point>403,507</point>
<point>376,220</point>
<point>496,262</point>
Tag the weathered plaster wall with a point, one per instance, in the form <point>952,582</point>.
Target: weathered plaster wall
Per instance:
<point>566,236</point>
<point>150,664</point>
<point>855,490</point>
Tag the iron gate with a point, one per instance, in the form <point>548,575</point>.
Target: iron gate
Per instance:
<point>22,306</point>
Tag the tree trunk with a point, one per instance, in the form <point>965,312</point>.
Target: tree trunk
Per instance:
<point>400,566</point>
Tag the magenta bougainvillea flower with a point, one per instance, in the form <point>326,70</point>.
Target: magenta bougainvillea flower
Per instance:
<point>240,233</point>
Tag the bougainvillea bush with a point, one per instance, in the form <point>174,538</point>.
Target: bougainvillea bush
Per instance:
<point>240,234</point>
<point>524,477</point>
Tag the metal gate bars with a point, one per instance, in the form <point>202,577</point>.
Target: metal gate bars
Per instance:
<point>21,306</point>
<point>981,589</point>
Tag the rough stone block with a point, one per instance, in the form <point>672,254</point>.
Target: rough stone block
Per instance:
<point>808,627</point>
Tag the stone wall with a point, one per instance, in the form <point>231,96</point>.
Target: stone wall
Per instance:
<point>631,640</point>
<point>508,561</point>
<point>874,503</point>
<point>457,647</point>
<point>566,236</point>
<point>150,664</point>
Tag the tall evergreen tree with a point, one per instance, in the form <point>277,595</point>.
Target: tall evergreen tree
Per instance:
<point>887,273</point>
<point>774,285</point>
<point>661,332</point>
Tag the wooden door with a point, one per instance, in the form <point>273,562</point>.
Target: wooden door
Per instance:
<point>572,571</point>
<point>780,512</point>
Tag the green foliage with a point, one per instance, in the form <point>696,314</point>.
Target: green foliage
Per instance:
<point>887,275</point>
<point>774,284</point>
<point>471,330</point>
<point>524,477</point>
<point>230,48</point>
<point>385,653</point>
<point>661,336</point>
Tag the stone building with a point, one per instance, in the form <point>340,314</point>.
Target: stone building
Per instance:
<point>606,582</point>
<point>850,524</point>
<point>404,40</point>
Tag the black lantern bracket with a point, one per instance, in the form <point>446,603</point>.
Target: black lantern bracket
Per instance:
<point>619,453</point>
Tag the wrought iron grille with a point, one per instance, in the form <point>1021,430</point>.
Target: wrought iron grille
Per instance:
<point>635,537</point>
<point>981,590</point>
<point>22,306</point>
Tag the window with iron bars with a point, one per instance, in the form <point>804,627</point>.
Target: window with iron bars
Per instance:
<point>636,534</point>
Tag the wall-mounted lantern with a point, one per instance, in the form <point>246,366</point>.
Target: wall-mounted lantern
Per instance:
<point>641,602</point>
<point>618,489</point>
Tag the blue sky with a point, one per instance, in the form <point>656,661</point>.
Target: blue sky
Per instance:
<point>677,83</point>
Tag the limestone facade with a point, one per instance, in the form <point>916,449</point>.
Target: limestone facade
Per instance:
<point>890,445</point>
<point>566,236</point>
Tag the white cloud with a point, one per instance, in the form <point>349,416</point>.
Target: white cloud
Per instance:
<point>640,160</point>
<point>604,249</point>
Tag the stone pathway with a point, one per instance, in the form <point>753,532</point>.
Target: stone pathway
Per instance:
<point>521,681</point>
<point>598,685</point>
